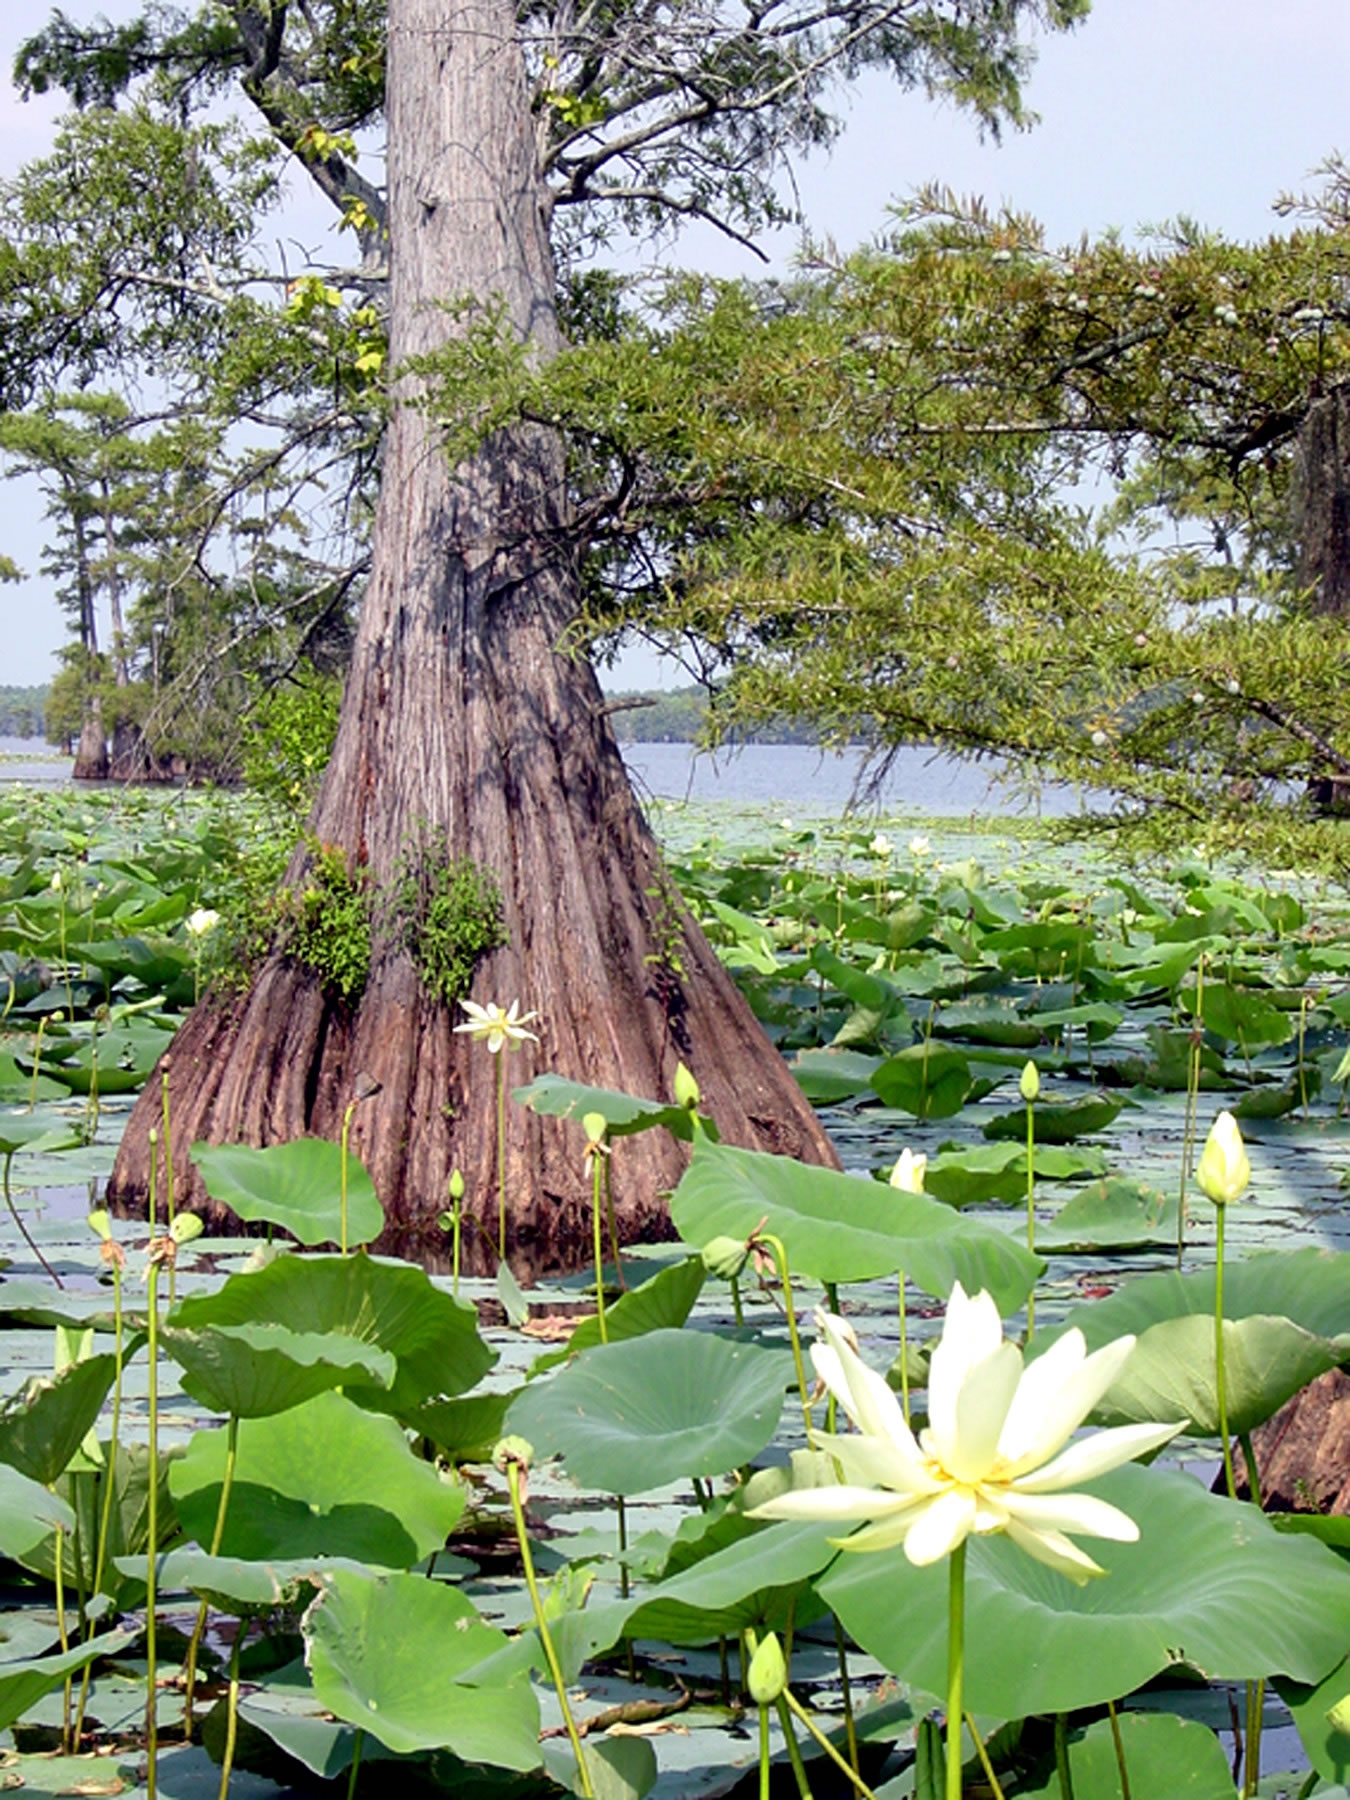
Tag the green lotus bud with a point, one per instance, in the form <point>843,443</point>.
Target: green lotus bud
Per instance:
<point>768,1671</point>
<point>185,1227</point>
<point>1030,1083</point>
<point>686,1088</point>
<point>100,1224</point>
<point>595,1125</point>
<point>1224,1170</point>
<point>513,1450</point>
<point>725,1257</point>
<point>456,1185</point>
<point>1338,1716</point>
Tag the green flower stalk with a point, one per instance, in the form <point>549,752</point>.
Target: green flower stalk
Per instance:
<point>1197,1041</point>
<point>908,1177</point>
<point>595,1127</point>
<point>775,1248</point>
<point>114,1257</point>
<point>365,1088</point>
<point>37,1063</point>
<point>501,1029</point>
<point>17,1217</point>
<point>1030,1087</point>
<point>513,1456</point>
<point>1223,1175</point>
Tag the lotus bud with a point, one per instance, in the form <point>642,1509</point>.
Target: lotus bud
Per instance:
<point>1030,1083</point>
<point>456,1185</point>
<point>1338,1716</point>
<point>686,1089</point>
<point>1224,1169</point>
<point>517,1450</point>
<point>725,1257</point>
<point>185,1227</point>
<point>595,1125</point>
<point>909,1171</point>
<point>100,1224</point>
<point>768,1671</point>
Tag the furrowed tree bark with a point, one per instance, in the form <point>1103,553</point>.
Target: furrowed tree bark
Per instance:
<point>467,730</point>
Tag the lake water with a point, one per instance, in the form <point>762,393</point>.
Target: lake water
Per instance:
<point>795,777</point>
<point>800,778</point>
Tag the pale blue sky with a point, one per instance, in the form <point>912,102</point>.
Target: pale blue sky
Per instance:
<point>1153,108</point>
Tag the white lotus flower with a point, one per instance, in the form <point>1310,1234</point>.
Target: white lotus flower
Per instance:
<point>909,1171</point>
<point>202,922</point>
<point>993,1457</point>
<point>496,1025</point>
<point>881,845</point>
<point>920,846</point>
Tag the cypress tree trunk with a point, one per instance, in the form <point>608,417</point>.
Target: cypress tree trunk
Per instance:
<point>466,730</point>
<point>1323,502</point>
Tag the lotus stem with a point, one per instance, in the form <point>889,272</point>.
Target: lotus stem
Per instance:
<point>62,1634</point>
<point>736,1311</point>
<point>231,1714</point>
<point>110,1480</point>
<point>168,1171</point>
<point>342,1176</point>
<point>956,1662</point>
<point>152,1544</point>
<point>541,1625</point>
<point>763,1753</point>
<point>501,1166</point>
<point>218,1532</point>
<point>358,1745</point>
<point>994,1788</point>
<point>23,1229</point>
<point>1120,1751</point>
<point>1062,1768</point>
<point>793,1748</point>
<point>613,1230</point>
<point>597,1221</point>
<point>37,1063</point>
<point>1031,1211</point>
<point>904,1348</point>
<point>1253,1472</point>
<point>850,1729</point>
<point>798,1711</point>
<point>1192,1103</point>
<point>779,1254</point>
<point>1219,1384</point>
<point>1256,1702</point>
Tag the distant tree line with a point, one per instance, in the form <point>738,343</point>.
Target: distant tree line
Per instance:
<point>681,716</point>
<point>23,711</point>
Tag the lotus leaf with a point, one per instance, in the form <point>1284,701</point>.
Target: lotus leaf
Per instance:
<point>638,1415</point>
<point>390,1305</point>
<point>324,1479</point>
<point>1170,1372</point>
<point>1167,1758</point>
<point>1057,1121</point>
<point>297,1186</point>
<point>44,1424</point>
<point>398,1655</point>
<point>929,1080</point>
<point>1311,1287</point>
<point>1111,1215</point>
<point>624,1114</point>
<point>837,1228</point>
<point>253,1370</point>
<point>1209,1583</point>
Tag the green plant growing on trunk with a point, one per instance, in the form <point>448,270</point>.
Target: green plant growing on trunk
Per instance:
<point>325,923</point>
<point>450,913</point>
